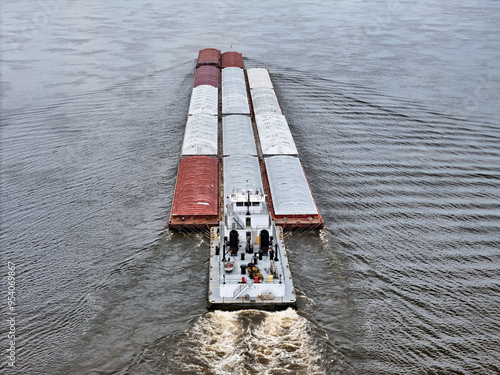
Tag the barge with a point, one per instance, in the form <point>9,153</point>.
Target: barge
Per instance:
<point>241,179</point>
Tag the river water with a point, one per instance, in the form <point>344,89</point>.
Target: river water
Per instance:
<point>394,106</point>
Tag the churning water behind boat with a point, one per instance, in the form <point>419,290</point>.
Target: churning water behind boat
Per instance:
<point>242,343</point>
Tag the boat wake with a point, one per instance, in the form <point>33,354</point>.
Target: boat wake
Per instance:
<point>246,342</point>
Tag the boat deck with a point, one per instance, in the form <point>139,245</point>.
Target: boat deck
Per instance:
<point>227,291</point>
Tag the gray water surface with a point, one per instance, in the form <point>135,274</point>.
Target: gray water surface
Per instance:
<point>394,109</point>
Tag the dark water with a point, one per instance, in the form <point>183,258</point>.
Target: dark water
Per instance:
<point>394,106</point>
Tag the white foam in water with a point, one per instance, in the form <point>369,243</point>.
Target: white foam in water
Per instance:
<point>278,344</point>
<point>216,339</point>
<point>283,340</point>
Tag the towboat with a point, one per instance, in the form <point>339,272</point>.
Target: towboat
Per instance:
<point>248,238</point>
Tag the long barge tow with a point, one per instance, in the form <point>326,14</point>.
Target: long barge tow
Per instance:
<point>240,178</point>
